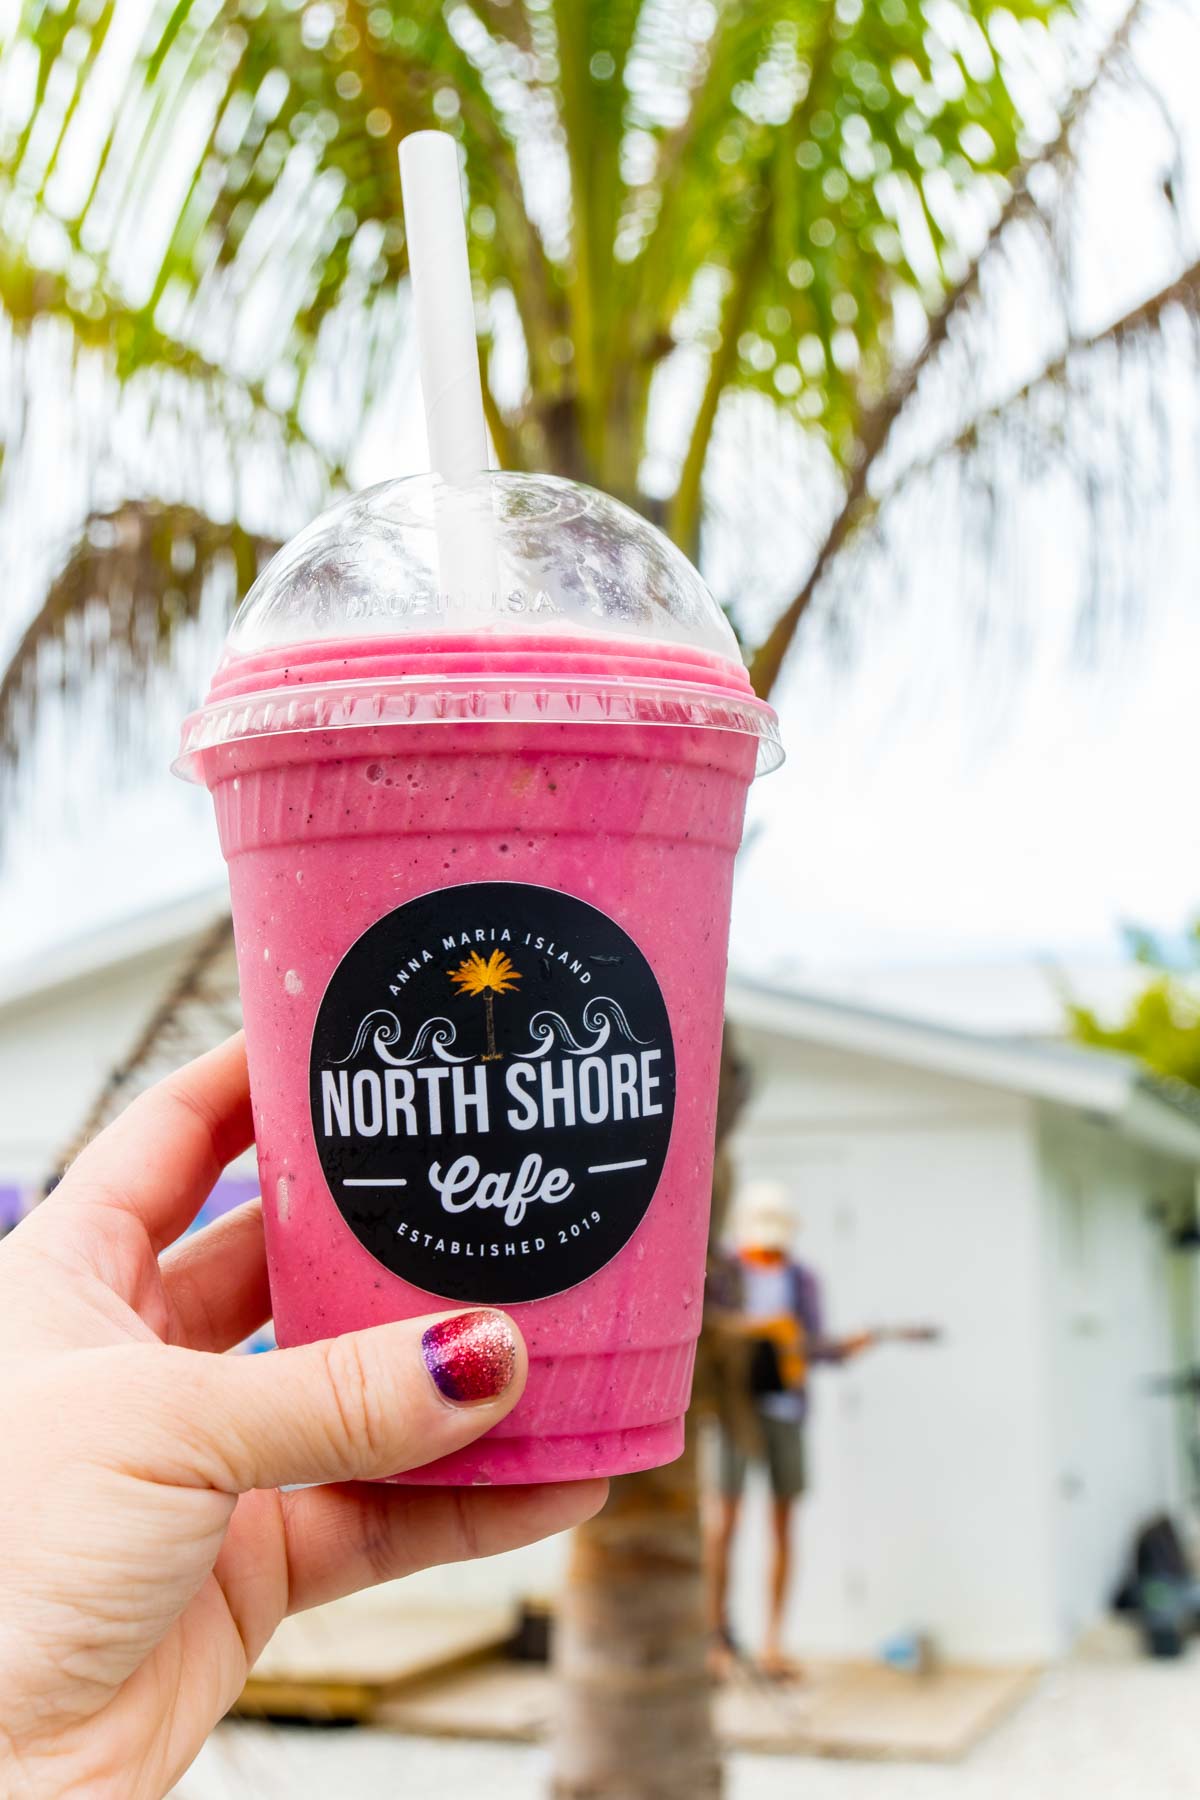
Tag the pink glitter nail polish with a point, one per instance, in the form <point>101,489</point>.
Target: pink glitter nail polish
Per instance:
<point>472,1356</point>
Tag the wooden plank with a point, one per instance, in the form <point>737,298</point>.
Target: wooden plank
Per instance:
<point>339,1661</point>
<point>506,1701</point>
<point>868,1711</point>
<point>318,1702</point>
<point>846,1710</point>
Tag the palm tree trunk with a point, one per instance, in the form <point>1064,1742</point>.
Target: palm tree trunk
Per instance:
<point>489,1006</point>
<point>634,1717</point>
<point>633,1714</point>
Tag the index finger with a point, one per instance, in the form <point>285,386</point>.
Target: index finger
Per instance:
<point>160,1158</point>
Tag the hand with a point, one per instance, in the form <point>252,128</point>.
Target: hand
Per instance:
<point>148,1551</point>
<point>907,1334</point>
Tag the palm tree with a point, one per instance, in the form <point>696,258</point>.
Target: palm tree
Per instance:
<point>491,976</point>
<point>686,216</point>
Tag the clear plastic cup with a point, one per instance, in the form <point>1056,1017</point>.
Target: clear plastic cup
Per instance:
<point>480,836</point>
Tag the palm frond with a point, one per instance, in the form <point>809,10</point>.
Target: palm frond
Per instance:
<point>100,321</point>
<point>284,206</point>
<point>137,575</point>
<point>870,135</point>
<point>880,422</point>
<point>617,154</point>
<point>1062,374</point>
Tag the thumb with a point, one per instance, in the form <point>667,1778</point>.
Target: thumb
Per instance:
<point>369,1404</point>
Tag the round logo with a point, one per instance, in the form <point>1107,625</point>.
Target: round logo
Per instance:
<point>492,1081</point>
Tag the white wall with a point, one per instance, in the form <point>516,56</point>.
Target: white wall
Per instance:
<point>919,1199</point>
<point>56,1050</point>
<point>1108,1318</point>
<point>58,1047</point>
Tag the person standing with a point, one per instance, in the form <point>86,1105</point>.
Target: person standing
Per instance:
<point>765,1310</point>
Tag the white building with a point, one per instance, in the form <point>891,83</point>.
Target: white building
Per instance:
<point>1023,1196</point>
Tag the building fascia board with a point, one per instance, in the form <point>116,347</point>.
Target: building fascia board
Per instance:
<point>1109,1088</point>
<point>1091,1082</point>
<point>112,946</point>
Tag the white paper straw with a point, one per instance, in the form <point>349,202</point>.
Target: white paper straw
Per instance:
<point>445,309</point>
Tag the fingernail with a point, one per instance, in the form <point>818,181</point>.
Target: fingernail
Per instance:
<point>470,1357</point>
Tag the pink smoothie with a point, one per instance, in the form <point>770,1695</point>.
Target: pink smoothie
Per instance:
<point>326,832</point>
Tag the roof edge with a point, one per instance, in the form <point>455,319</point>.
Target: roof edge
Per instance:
<point>1098,1083</point>
<point>111,946</point>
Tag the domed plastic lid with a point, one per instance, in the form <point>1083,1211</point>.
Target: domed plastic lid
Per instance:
<point>515,598</point>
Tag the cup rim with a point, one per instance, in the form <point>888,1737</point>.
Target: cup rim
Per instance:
<point>505,699</point>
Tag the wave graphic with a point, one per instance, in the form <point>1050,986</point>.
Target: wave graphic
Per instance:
<point>433,1036</point>
<point>601,1016</point>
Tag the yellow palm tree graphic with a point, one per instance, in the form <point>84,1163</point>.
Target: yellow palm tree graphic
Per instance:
<point>495,976</point>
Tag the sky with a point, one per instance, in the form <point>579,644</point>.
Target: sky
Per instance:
<point>929,813</point>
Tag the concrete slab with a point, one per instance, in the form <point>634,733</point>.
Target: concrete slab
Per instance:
<point>1106,1727</point>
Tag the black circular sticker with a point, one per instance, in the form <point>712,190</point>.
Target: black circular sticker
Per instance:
<point>492,1082</point>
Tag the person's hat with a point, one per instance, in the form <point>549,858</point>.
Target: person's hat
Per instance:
<point>764,1218</point>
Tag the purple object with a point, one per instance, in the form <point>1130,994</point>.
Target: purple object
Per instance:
<point>13,1206</point>
<point>230,1191</point>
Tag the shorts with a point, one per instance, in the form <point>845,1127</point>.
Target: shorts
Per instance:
<point>783,1450</point>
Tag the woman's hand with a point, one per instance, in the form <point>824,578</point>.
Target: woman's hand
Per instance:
<point>148,1551</point>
